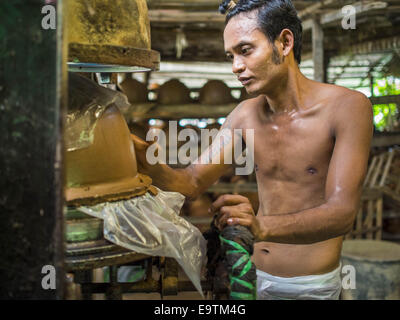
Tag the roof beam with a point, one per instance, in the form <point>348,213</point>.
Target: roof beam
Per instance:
<point>337,15</point>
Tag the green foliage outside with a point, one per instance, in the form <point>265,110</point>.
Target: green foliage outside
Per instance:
<point>385,115</point>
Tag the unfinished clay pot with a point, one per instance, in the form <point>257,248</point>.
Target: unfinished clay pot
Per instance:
<point>215,92</point>
<point>173,92</point>
<point>134,90</point>
<point>106,170</point>
<point>102,168</point>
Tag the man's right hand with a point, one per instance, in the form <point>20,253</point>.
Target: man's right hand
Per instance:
<point>140,149</point>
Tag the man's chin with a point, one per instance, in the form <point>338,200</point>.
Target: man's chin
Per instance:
<point>251,91</point>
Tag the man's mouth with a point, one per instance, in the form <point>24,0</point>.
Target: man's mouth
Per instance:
<point>245,80</point>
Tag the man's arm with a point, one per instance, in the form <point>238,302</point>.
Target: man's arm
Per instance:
<point>201,174</point>
<point>353,131</point>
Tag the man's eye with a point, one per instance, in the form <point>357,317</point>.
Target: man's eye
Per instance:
<point>229,56</point>
<point>245,50</point>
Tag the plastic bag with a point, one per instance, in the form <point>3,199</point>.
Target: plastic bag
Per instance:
<point>86,103</point>
<point>151,225</point>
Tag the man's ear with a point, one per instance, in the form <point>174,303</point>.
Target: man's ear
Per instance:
<point>286,39</point>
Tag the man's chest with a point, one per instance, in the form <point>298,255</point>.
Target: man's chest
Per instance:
<point>288,148</point>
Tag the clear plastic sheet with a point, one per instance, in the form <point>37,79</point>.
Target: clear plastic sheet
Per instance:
<point>87,101</point>
<point>152,225</point>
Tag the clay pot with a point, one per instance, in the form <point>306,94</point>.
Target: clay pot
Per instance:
<point>215,92</point>
<point>134,90</point>
<point>107,169</point>
<point>173,92</point>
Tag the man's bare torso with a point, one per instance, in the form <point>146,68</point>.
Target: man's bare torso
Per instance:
<point>292,155</point>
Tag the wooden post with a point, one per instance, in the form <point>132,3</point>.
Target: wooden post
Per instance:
<point>318,51</point>
<point>32,97</point>
<point>371,84</point>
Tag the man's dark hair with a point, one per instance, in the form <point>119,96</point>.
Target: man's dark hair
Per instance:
<point>273,16</point>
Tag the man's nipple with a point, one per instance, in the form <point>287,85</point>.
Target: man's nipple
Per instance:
<point>312,170</point>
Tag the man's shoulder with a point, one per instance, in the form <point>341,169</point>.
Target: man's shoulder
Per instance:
<point>343,96</point>
<point>343,100</point>
<point>349,108</point>
<point>245,107</point>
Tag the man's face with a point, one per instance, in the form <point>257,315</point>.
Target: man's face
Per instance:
<point>255,61</point>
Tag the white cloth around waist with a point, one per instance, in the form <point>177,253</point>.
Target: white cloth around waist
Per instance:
<point>321,287</point>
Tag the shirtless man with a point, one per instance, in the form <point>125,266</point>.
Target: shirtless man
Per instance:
<point>312,143</point>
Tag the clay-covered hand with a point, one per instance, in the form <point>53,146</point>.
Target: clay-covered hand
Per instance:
<point>140,151</point>
<point>235,210</point>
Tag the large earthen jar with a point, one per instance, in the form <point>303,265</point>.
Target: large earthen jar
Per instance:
<point>215,92</point>
<point>173,92</point>
<point>135,90</point>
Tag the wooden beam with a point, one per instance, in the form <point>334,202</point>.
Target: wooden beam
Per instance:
<point>378,45</point>
<point>386,139</point>
<point>174,112</point>
<point>209,5</point>
<point>337,15</point>
<point>181,16</point>
<point>386,100</point>
<point>360,7</point>
<point>314,8</point>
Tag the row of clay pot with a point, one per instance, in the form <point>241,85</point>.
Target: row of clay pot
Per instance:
<point>174,92</point>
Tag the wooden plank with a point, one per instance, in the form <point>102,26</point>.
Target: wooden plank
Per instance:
<point>389,159</point>
<point>359,222</point>
<point>181,16</point>
<point>358,234</point>
<point>312,9</point>
<point>374,178</point>
<point>373,46</point>
<point>385,140</point>
<point>369,219</point>
<point>371,169</point>
<point>379,211</point>
<point>385,99</point>
<point>360,7</point>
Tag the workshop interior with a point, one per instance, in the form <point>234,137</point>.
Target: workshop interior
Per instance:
<point>80,79</point>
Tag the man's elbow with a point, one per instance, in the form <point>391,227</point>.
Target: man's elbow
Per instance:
<point>193,191</point>
<point>348,215</point>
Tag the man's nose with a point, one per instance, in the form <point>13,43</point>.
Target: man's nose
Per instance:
<point>238,66</point>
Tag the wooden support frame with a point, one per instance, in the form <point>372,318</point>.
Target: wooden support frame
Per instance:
<point>318,51</point>
<point>368,222</point>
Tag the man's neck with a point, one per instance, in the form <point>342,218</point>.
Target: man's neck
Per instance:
<point>289,95</point>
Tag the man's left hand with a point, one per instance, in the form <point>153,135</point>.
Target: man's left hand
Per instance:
<point>235,210</point>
